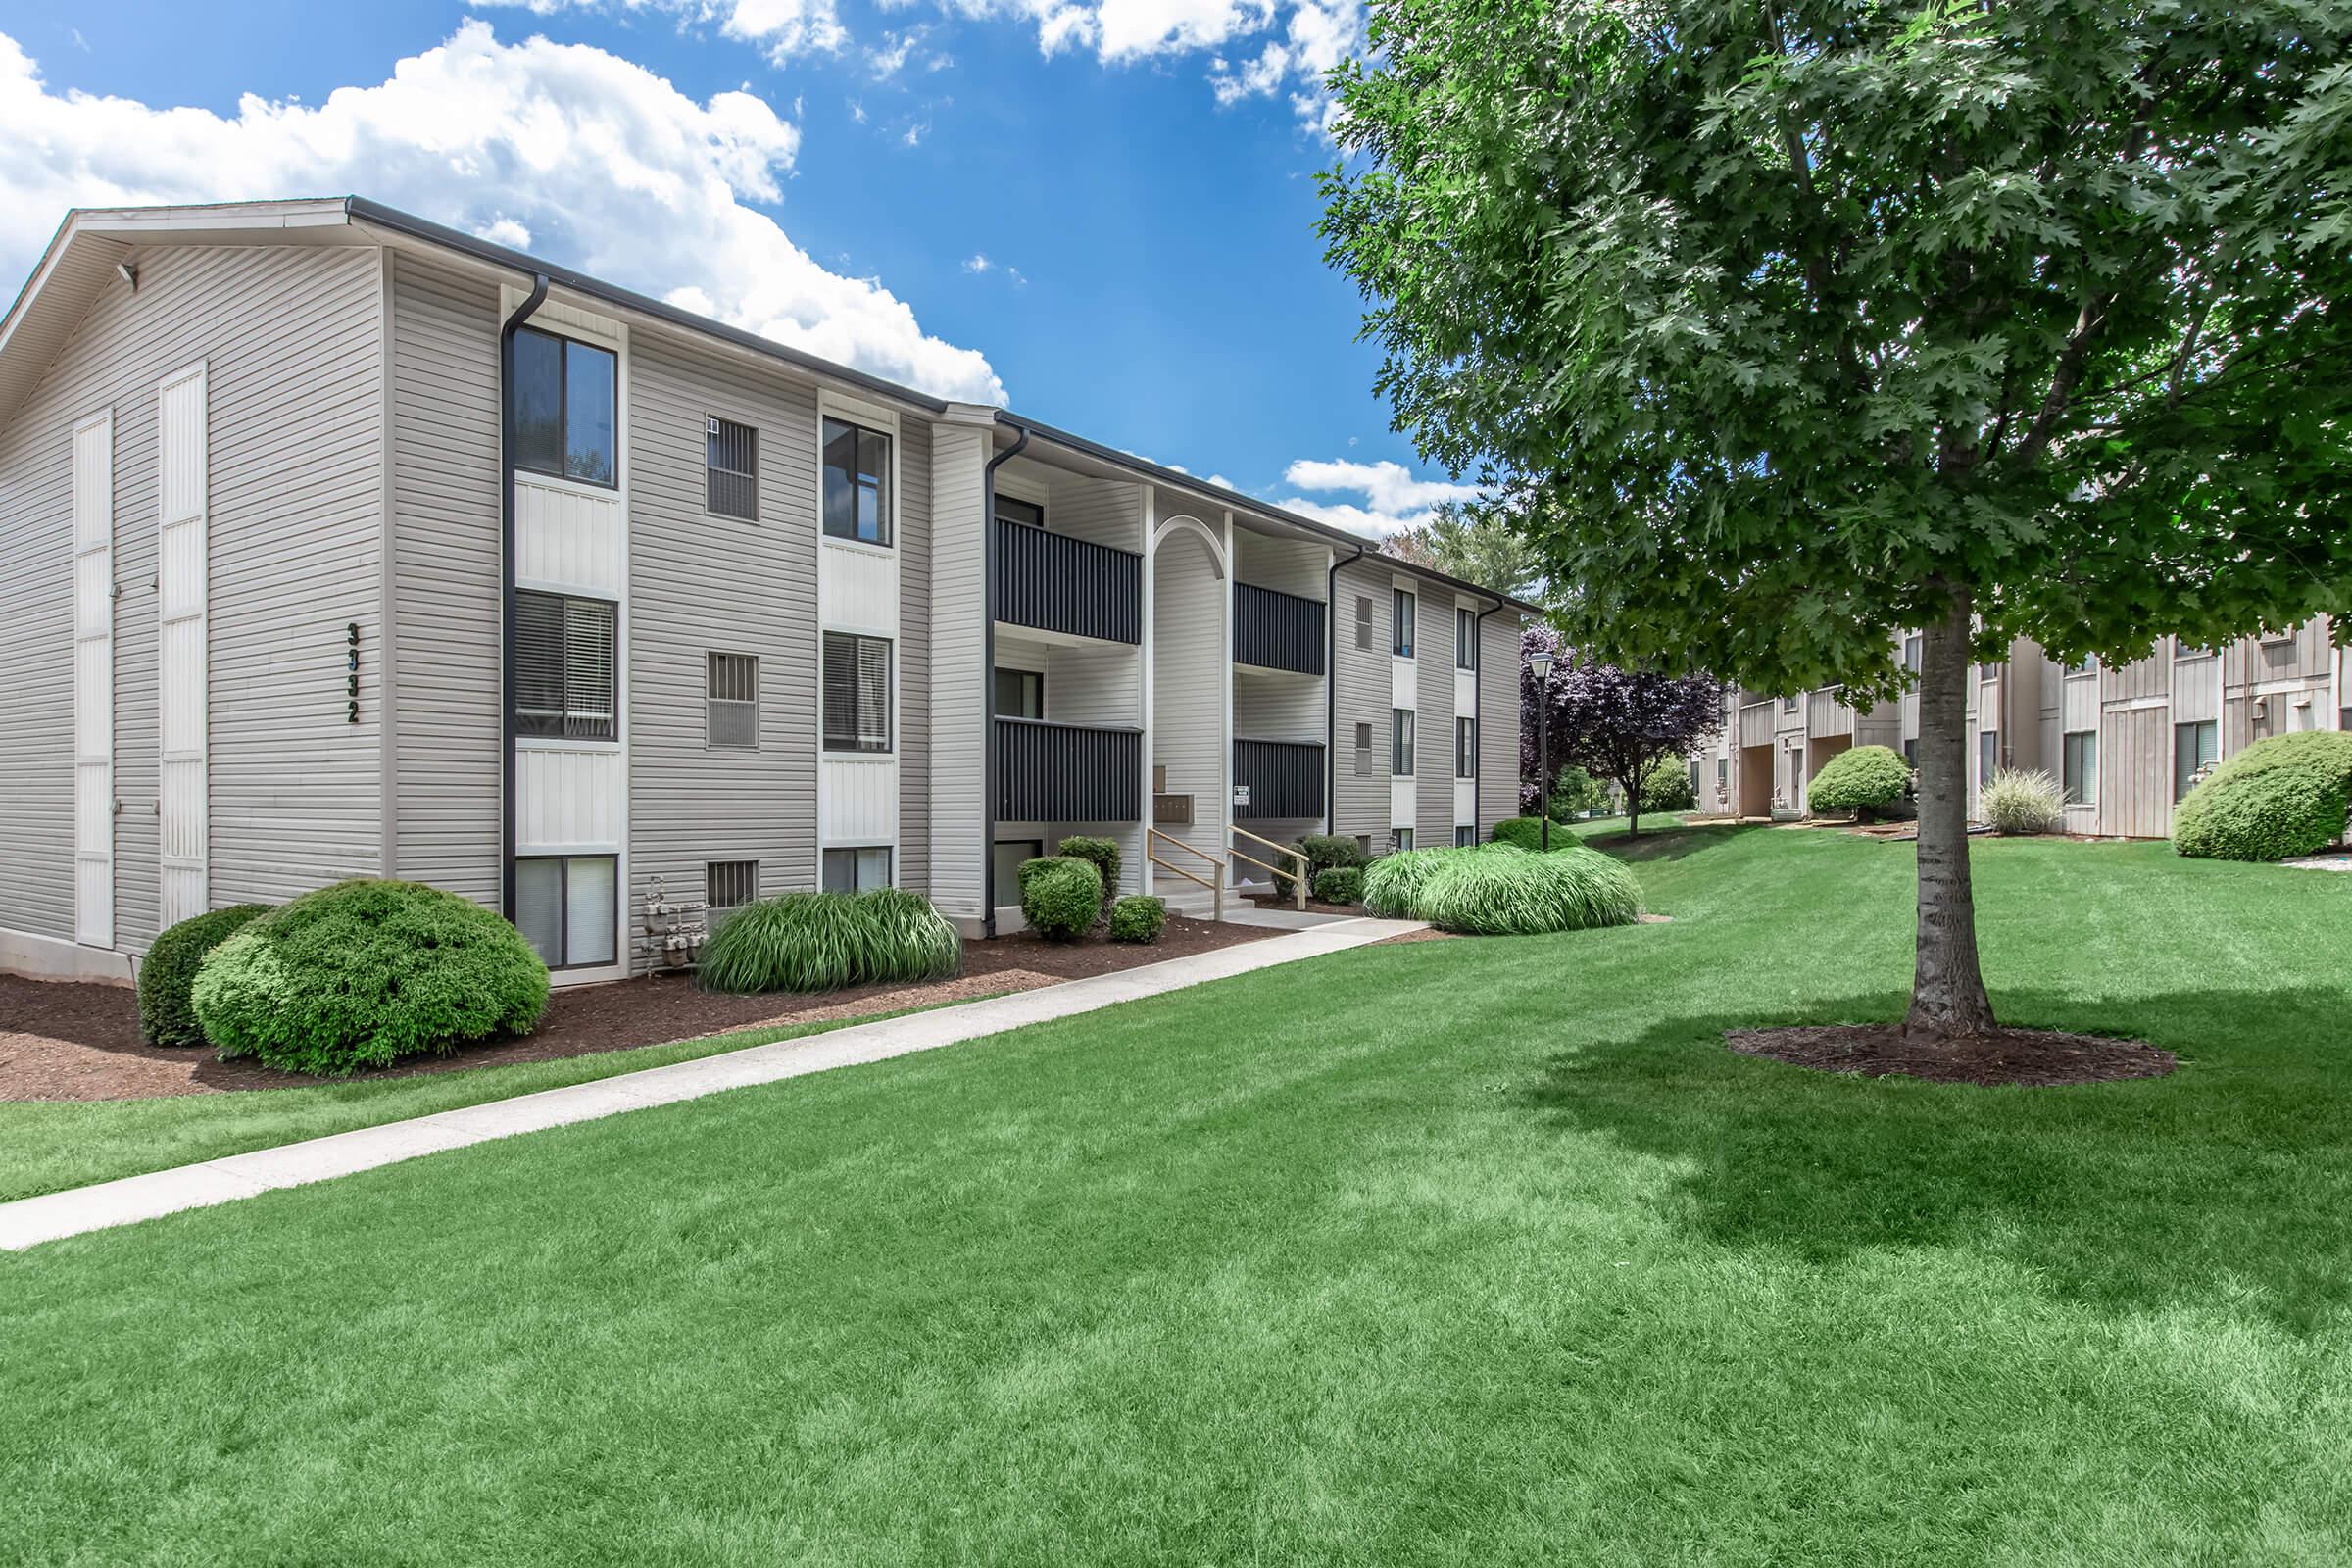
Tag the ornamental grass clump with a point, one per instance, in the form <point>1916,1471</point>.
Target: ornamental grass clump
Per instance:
<point>826,941</point>
<point>166,1014</point>
<point>2281,797</point>
<point>363,973</point>
<point>1501,891</point>
<point>904,939</point>
<point>2022,801</point>
<point>1393,883</point>
<point>1860,780</point>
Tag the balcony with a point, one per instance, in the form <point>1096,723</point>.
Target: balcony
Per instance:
<point>1755,723</point>
<point>1277,630</point>
<point>1284,778</point>
<point>1056,583</point>
<point>1049,772</point>
<point>1831,714</point>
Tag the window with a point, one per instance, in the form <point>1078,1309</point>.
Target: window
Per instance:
<point>1401,838</point>
<point>1465,748</point>
<point>1465,639</point>
<point>1009,853</point>
<point>1363,621</point>
<point>1466,838</point>
<point>1011,508</point>
<point>1364,844</point>
<point>730,884</point>
<point>1989,755</point>
<point>1988,671</point>
<point>1363,752</point>
<point>1401,742</point>
<point>731,469</point>
<point>1401,609</point>
<point>1911,752</point>
<point>565,402</point>
<point>856,870</point>
<point>1723,774</point>
<point>567,905</point>
<point>731,699</point>
<point>2080,766</point>
<point>856,494</point>
<point>1911,650</point>
<point>857,679</point>
<point>1788,704</point>
<point>2195,746</point>
<point>565,657</point>
<point>1021,694</point>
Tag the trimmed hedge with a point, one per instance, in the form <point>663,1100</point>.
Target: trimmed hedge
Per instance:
<point>167,1017</point>
<point>1340,884</point>
<point>1859,779</point>
<point>1137,917</point>
<point>2024,799</point>
<point>1500,890</point>
<point>1060,896</point>
<point>825,940</point>
<point>1101,853</point>
<point>363,973</point>
<point>1666,786</point>
<point>2281,797</point>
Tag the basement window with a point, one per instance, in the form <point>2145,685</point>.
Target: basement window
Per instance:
<point>567,906</point>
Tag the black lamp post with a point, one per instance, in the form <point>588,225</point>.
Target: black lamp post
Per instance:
<point>1539,661</point>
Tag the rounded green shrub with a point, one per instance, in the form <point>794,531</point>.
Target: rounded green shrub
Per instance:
<point>167,1017</point>
<point>1500,891</point>
<point>1340,884</point>
<point>1527,833</point>
<point>1137,917</point>
<point>1393,883</point>
<point>364,973</point>
<point>2023,800</point>
<point>1101,853</point>
<point>2281,797</point>
<point>1861,779</point>
<point>1060,896</point>
<point>1666,786</point>
<point>825,940</point>
<point>1324,851</point>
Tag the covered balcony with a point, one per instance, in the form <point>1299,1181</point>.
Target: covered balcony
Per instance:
<point>1275,631</point>
<point>1277,780</point>
<point>1055,582</point>
<point>1053,772</point>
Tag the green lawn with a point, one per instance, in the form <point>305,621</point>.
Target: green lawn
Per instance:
<point>1448,1252</point>
<point>47,1145</point>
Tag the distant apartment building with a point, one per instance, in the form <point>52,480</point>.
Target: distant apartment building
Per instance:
<point>334,543</point>
<point>2126,743</point>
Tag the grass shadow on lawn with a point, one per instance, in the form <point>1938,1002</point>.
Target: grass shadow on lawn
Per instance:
<point>2228,1184</point>
<point>1671,842</point>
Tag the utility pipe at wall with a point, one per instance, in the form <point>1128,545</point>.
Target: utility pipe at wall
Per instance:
<point>987,675</point>
<point>506,585</point>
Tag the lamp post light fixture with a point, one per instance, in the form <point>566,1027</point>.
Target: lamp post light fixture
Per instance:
<point>1539,663</point>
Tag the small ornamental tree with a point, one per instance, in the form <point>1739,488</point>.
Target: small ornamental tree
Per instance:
<point>1612,722</point>
<point>1783,328</point>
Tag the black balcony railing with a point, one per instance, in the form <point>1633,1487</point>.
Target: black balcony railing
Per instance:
<point>1056,583</point>
<point>1285,779</point>
<point>1048,772</point>
<point>1279,630</point>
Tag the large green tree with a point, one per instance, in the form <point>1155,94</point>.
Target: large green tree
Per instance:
<point>1785,326</point>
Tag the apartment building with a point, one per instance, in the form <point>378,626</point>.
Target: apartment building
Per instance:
<point>2126,743</point>
<point>335,543</point>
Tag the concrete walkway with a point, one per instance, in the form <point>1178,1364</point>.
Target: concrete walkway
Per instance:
<point>29,1221</point>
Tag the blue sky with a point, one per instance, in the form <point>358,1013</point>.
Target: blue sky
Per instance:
<point>1102,209</point>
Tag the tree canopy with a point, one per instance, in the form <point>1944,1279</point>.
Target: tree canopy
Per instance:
<point>1475,543</point>
<point>1611,721</point>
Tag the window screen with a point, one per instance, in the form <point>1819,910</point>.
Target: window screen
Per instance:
<point>1400,741</point>
<point>566,656</point>
<point>857,678</point>
<point>731,711</point>
<point>731,469</point>
<point>857,463</point>
<point>731,884</point>
<point>855,870</point>
<point>565,402</point>
<point>1402,610</point>
<point>567,906</point>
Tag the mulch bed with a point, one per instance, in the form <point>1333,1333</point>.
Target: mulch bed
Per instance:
<point>70,1041</point>
<point>2033,1057</point>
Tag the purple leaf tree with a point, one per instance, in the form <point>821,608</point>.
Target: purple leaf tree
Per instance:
<point>1610,721</point>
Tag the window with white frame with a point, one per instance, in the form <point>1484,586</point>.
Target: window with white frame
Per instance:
<point>1400,609</point>
<point>2195,748</point>
<point>1912,646</point>
<point>1465,748</point>
<point>567,905</point>
<point>1989,755</point>
<point>566,657</point>
<point>1401,742</point>
<point>1465,837</point>
<point>2079,766</point>
<point>1401,838</point>
<point>1363,621</point>
<point>857,692</point>
<point>730,468</point>
<point>1465,639</point>
<point>731,700</point>
<point>1364,765</point>
<point>857,482</point>
<point>859,868</point>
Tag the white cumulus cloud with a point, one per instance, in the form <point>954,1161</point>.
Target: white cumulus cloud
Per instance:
<point>592,159</point>
<point>1392,497</point>
<point>781,28</point>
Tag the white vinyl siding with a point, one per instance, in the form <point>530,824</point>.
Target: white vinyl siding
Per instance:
<point>182,464</point>
<point>94,682</point>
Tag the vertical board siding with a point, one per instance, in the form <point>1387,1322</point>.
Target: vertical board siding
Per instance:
<point>699,583</point>
<point>445,501</point>
<point>1189,680</point>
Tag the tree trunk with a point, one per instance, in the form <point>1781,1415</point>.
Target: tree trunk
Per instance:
<point>1947,987</point>
<point>1633,803</point>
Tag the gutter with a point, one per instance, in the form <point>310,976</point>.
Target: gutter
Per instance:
<point>1331,687</point>
<point>506,584</point>
<point>988,675</point>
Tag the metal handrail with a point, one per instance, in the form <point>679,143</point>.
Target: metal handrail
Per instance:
<point>1214,882</point>
<point>1298,877</point>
